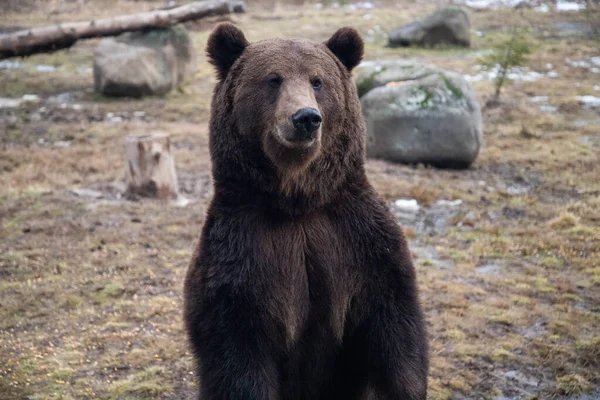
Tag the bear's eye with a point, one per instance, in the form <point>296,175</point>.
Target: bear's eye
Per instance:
<point>316,84</point>
<point>275,81</point>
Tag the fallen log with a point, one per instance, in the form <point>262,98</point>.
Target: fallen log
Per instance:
<point>50,38</point>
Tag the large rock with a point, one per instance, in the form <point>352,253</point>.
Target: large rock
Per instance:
<point>424,115</point>
<point>143,63</point>
<point>448,25</point>
<point>371,74</point>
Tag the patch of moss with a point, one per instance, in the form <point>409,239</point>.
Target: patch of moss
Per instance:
<point>455,91</point>
<point>365,84</point>
<point>427,100</point>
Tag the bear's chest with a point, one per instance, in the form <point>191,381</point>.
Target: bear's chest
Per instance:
<point>310,278</point>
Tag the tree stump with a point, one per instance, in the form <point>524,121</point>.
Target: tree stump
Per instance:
<point>150,167</point>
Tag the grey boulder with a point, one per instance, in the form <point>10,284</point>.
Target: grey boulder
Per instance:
<point>143,63</point>
<point>431,117</point>
<point>448,25</point>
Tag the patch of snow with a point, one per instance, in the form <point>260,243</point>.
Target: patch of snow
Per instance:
<point>589,101</point>
<point>363,5</point>
<point>45,68</point>
<point>409,205</point>
<point>562,5</point>
<point>548,109</point>
<point>180,201</point>
<point>592,64</point>
<point>449,203</point>
<point>5,64</point>
<point>515,74</point>
<point>318,6</point>
<point>543,8</point>
<point>597,87</point>
<point>483,4</point>
<point>30,98</point>
<point>539,99</point>
<point>87,193</point>
<point>6,102</point>
<point>84,70</point>
<point>62,143</point>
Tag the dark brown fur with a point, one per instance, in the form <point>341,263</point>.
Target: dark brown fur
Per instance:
<point>302,286</point>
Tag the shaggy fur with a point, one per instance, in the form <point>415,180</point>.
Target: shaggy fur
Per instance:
<point>302,285</point>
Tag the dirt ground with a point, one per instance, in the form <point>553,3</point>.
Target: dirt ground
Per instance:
<point>91,284</point>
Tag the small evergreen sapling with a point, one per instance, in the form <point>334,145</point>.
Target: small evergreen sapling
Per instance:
<point>505,56</point>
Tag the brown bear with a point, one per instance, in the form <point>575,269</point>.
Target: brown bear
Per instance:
<point>302,286</point>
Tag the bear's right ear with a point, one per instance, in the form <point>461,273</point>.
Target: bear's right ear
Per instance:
<point>225,44</point>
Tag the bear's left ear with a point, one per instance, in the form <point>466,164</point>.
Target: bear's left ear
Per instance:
<point>348,47</point>
<point>225,44</point>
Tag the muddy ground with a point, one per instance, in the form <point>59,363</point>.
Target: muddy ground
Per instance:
<point>508,251</point>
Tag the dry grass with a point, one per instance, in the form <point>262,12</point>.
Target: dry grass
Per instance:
<point>90,290</point>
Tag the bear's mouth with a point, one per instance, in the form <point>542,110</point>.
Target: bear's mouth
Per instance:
<point>292,141</point>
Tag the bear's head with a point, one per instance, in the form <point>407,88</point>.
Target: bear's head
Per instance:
<point>286,120</point>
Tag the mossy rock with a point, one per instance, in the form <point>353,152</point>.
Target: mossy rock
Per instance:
<point>432,119</point>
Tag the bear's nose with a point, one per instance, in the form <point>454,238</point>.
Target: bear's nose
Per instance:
<point>306,121</point>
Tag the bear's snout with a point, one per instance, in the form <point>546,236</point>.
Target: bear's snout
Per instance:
<point>306,121</point>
